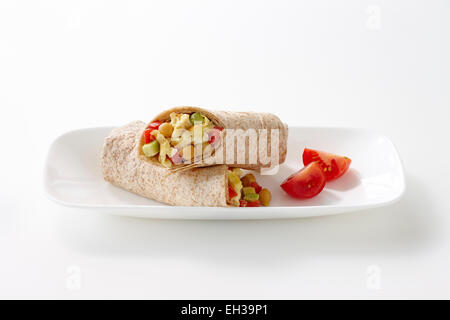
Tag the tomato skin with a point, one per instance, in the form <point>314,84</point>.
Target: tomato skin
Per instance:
<point>306,183</point>
<point>333,166</point>
<point>243,203</point>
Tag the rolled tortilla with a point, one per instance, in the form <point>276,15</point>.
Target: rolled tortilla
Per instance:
<point>236,120</point>
<point>122,167</point>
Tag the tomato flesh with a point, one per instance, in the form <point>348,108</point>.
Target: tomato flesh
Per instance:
<point>306,183</point>
<point>333,166</point>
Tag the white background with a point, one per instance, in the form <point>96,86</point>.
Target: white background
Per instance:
<point>381,65</point>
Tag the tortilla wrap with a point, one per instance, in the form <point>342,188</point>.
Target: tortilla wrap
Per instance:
<point>122,167</point>
<point>235,120</point>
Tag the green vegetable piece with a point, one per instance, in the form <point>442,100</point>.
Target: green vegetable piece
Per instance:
<point>251,197</point>
<point>151,149</point>
<point>196,117</point>
<point>248,190</point>
<point>234,181</point>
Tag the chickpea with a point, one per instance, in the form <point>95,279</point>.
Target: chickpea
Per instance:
<point>248,179</point>
<point>166,129</point>
<point>265,197</point>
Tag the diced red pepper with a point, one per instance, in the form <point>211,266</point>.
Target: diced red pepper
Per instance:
<point>253,203</point>
<point>257,187</point>
<point>231,192</point>
<point>154,124</point>
<point>214,135</point>
<point>148,135</point>
<point>243,203</point>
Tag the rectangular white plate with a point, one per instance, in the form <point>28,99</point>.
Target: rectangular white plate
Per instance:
<point>73,178</point>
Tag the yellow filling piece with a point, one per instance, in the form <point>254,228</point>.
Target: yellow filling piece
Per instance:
<point>234,181</point>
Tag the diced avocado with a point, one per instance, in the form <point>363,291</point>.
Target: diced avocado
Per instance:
<point>248,190</point>
<point>151,149</point>
<point>196,117</point>
<point>251,197</point>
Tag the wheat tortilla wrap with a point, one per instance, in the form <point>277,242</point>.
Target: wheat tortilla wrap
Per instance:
<point>229,121</point>
<point>122,167</point>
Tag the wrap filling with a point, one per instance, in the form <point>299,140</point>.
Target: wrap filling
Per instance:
<point>182,140</point>
<point>244,191</point>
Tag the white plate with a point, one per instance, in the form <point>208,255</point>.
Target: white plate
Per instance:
<point>73,178</point>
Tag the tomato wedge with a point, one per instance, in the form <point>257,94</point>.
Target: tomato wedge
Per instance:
<point>306,183</point>
<point>333,166</point>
